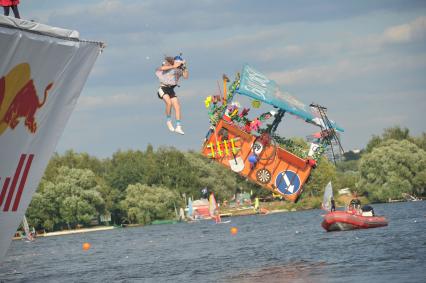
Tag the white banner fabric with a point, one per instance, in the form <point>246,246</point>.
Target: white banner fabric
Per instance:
<point>42,73</point>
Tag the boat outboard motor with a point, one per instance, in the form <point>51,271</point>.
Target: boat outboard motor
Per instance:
<point>367,210</point>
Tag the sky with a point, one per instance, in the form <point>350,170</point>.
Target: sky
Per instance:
<point>364,60</point>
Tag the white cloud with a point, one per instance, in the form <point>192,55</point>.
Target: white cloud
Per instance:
<point>349,46</point>
<point>324,74</point>
<point>413,31</point>
<point>348,69</point>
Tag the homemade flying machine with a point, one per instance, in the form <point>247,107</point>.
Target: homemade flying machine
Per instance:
<point>255,151</point>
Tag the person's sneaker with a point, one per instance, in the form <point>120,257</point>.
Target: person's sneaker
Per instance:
<point>170,126</point>
<point>179,130</point>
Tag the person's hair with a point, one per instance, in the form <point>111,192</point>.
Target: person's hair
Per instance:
<point>169,60</point>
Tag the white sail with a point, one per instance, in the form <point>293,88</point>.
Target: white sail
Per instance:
<point>212,205</point>
<point>190,208</point>
<point>213,208</point>
<point>42,72</point>
<point>26,227</point>
<point>328,195</point>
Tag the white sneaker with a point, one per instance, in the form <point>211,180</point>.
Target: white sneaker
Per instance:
<point>179,130</point>
<point>170,126</point>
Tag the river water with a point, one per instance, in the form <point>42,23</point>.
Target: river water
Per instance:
<point>281,247</point>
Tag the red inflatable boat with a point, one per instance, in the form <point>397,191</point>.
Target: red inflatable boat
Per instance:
<point>344,220</point>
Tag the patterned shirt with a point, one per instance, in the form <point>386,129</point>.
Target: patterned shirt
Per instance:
<point>169,77</point>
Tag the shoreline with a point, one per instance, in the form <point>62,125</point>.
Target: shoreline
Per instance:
<point>241,211</point>
<point>70,232</point>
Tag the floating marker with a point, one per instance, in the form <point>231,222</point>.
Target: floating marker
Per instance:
<point>234,230</point>
<point>86,246</point>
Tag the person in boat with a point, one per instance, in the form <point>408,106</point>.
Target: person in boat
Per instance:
<point>333,204</point>
<point>169,74</point>
<point>355,206</point>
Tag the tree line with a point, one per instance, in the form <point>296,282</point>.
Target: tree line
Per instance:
<point>136,186</point>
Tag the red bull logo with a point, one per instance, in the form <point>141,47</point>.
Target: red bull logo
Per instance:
<point>19,99</point>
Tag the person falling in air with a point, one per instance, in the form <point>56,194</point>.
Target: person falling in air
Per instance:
<point>169,74</point>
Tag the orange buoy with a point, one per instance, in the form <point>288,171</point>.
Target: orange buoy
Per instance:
<point>234,230</point>
<point>86,246</point>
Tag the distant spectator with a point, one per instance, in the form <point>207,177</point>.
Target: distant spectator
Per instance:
<point>205,193</point>
<point>7,4</point>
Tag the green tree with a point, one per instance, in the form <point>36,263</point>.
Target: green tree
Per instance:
<point>348,165</point>
<point>175,172</point>
<point>392,133</point>
<point>43,211</point>
<point>70,198</point>
<point>218,179</point>
<point>348,179</point>
<point>144,203</point>
<point>320,176</point>
<point>420,141</point>
<point>396,133</point>
<point>351,155</point>
<point>72,159</point>
<point>394,167</point>
<point>126,167</point>
<point>75,209</point>
<point>419,183</point>
<point>151,172</point>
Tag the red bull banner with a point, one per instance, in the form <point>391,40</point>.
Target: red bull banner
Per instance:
<point>42,72</point>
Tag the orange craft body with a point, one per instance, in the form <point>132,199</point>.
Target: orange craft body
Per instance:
<point>270,170</point>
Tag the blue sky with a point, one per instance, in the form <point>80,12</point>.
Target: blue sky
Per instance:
<point>364,60</point>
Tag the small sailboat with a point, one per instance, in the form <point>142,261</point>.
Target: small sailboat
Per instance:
<point>258,209</point>
<point>29,235</point>
<point>328,196</point>
<point>190,209</point>
<point>214,210</point>
<point>191,216</point>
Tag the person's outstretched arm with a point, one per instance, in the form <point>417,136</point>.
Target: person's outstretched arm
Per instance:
<point>185,73</point>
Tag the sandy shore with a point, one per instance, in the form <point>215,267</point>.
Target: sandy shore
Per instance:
<point>76,231</point>
<point>69,232</point>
